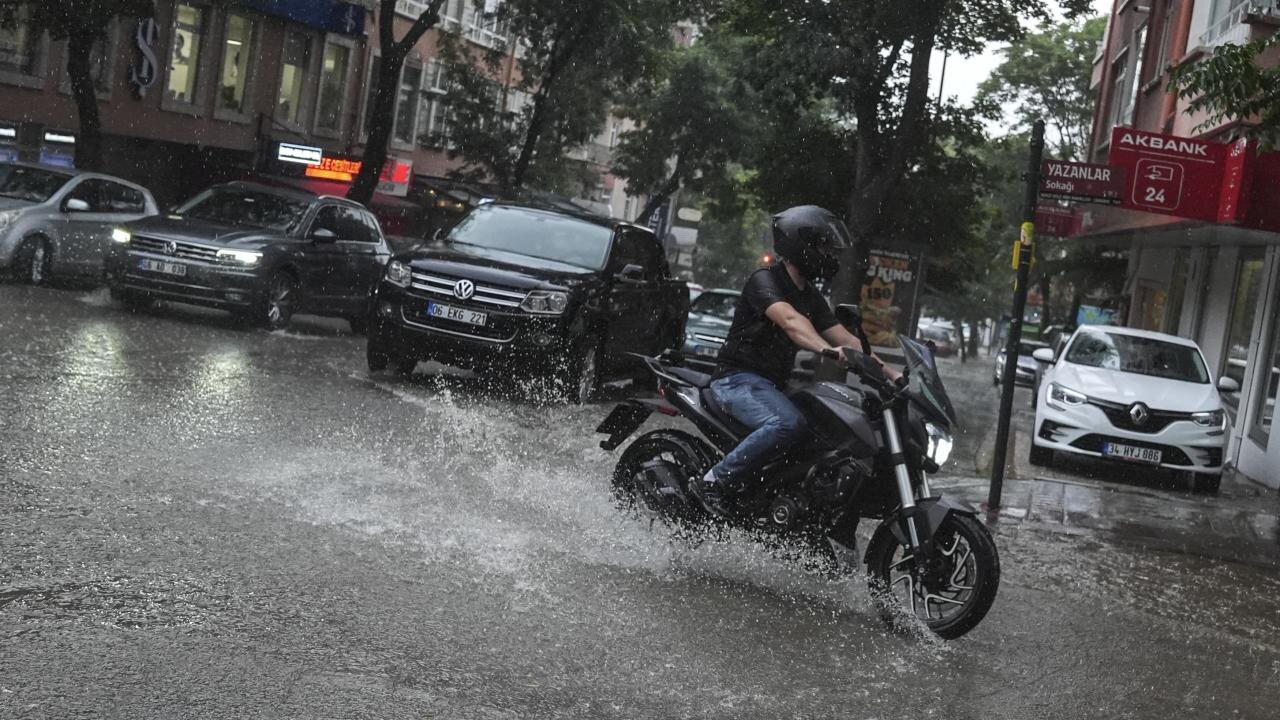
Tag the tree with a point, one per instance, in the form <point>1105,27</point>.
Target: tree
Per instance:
<point>1235,83</point>
<point>81,23</point>
<point>868,68</point>
<point>693,122</point>
<point>1046,75</point>
<point>577,58</point>
<point>386,86</point>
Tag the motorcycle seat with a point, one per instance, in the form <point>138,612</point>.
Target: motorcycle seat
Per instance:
<point>732,425</point>
<point>693,377</point>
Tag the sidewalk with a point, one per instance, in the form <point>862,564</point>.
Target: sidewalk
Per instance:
<point>1242,524</point>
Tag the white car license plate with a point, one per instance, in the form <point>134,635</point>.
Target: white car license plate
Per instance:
<point>457,314</point>
<point>160,266</point>
<point>1129,452</point>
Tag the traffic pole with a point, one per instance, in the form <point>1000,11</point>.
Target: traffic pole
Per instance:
<point>1022,254</point>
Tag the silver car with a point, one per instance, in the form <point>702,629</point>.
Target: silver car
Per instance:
<point>58,222</point>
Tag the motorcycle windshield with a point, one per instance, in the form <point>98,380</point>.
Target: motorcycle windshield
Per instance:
<point>926,384</point>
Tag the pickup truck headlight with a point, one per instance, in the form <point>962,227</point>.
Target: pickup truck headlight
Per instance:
<point>940,443</point>
<point>1060,397</point>
<point>1211,419</point>
<point>121,236</point>
<point>239,257</point>
<point>545,302</point>
<point>399,274</point>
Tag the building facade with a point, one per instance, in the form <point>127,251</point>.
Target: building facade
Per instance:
<point>1216,284</point>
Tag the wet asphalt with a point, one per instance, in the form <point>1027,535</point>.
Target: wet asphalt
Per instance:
<point>199,520</point>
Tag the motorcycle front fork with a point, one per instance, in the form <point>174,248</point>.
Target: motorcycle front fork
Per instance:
<point>906,495</point>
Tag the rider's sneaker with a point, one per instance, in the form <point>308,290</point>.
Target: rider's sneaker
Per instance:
<point>708,491</point>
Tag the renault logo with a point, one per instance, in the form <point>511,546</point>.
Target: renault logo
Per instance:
<point>464,289</point>
<point>170,248</point>
<point>1139,414</point>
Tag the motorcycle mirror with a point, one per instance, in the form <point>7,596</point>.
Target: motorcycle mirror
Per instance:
<point>848,315</point>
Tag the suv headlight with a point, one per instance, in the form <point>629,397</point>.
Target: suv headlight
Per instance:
<point>1060,397</point>
<point>940,443</point>
<point>121,236</point>
<point>1211,419</point>
<point>545,302</point>
<point>239,257</point>
<point>399,274</point>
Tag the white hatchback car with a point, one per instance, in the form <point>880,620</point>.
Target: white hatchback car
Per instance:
<point>1132,396</point>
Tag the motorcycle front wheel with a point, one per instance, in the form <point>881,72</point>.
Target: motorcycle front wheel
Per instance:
<point>952,594</point>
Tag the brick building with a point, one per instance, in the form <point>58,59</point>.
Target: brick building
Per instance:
<point>1217,284</point>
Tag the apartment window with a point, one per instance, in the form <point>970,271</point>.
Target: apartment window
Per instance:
<point>1140,46</point>
<point>1224,15</point>
<point>21,50</point>
<point>237,48</point>
<point>1166,37</point>
<point>333,82</point>
<point>435,114</point>
<point>407,104</point>
<point>184,53</point>
<point>1121,107</point>
<point>293,76</point>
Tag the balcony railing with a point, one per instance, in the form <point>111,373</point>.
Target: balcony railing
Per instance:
<point>1228,27</point>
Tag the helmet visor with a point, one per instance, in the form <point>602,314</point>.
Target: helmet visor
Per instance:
<point>838,232</point>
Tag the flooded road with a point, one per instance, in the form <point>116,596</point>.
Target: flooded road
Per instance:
<point>198,520</point>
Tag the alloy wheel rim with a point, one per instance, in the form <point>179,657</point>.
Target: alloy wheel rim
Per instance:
<point>587,378</point>
<point>37,264</point>
<point>280,291</point>
<point>939,604</point>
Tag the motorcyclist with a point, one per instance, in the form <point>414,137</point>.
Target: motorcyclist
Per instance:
<point>780,311</point>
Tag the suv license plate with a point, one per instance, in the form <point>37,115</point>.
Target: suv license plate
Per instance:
<point>160,266</point>
<point>456,314</point>
<point>1129,452</point>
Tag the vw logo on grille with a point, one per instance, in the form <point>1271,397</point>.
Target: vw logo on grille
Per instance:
<point>170,248</point>
<point>464,289</point>
<point>1139,414</point>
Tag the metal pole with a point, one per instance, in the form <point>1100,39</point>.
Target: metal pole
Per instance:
<point>1008,375</point>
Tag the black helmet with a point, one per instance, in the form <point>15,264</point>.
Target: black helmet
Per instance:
<point>811,238</point>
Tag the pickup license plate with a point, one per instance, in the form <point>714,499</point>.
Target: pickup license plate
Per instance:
<point>1131,453</point>
<point>160,266</point>
<point>456,314</point>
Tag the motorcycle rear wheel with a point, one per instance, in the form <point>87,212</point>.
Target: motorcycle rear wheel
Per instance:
<point>970,573</point>
<point>686,454</point>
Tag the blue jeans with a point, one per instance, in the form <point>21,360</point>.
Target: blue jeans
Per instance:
<point>760,405</point>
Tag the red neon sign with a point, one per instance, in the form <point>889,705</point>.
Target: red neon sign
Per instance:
<point>332,168</point>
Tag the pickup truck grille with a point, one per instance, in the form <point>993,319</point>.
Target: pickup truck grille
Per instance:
<point>484,294</point>
<point>185,251</point>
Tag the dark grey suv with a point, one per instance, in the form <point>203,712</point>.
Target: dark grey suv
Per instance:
<point>264,253</point>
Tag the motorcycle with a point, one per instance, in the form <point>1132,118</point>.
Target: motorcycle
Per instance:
<point>874,443</point>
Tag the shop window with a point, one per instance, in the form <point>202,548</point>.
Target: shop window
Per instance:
<point>333,81</point>
<point>1266,397</point>
<point>1243,311</point>
<point>21,52</point>
<point>184,54</point>
<point>407,104</point>
<point>293,75</point>
<point>1149,308</point>
<point>237,49</point>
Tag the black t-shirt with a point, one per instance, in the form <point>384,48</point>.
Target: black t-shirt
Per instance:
<point>755,342</point>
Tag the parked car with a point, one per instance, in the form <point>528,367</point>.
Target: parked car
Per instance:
<point>944,339</point>
<point>1133,396</point>
<point>1028,366</point>
<point>58,222</point>
<point>710,315</point>
<point>263,253</point>
<point>531,289</point>
<point>694,291</point>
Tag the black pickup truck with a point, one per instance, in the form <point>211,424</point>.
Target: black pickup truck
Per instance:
<point>514,288</point>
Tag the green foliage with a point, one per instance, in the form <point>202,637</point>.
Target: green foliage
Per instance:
<point>578,58</point>
<point>1236,84</point>
<point>76,19</point>
<point>693,120</point>
<point>730,240</point>
<point>1046,75</point>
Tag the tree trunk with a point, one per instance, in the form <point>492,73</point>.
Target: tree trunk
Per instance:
<point>79,72</point>
<point>974,331</point>
<point>381,123</point>
<point>958,325</point>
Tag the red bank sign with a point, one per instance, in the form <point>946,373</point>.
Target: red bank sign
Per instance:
<point>1182,176</point>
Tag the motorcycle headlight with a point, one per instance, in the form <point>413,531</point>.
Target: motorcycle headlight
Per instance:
<point>1211,419</point>
<point>399,274</point>
<point>1060,397</point>
<point>239,257</point>
<point>545,302</point>
<point>940,443</point>
<point>121,236</point>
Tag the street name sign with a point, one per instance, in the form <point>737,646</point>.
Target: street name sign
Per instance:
<point>1181,176</point>
<point>1057,221</point>
<point>1087,182</point>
